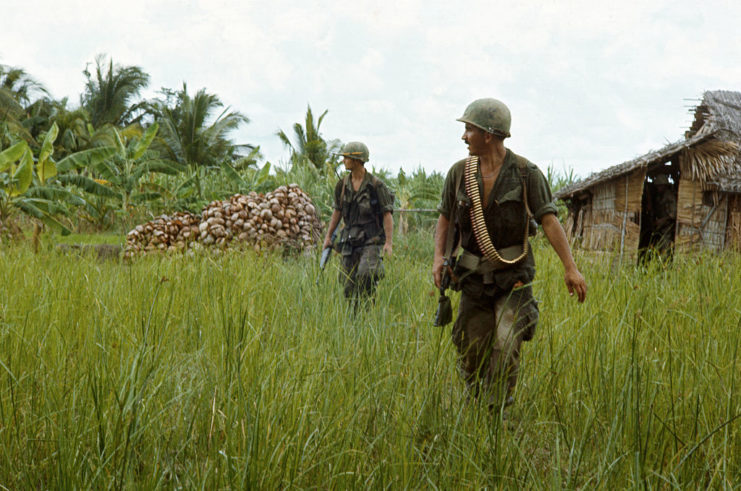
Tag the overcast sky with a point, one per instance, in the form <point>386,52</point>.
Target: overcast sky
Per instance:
<point>589,86</point>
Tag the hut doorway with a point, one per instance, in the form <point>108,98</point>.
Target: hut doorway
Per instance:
<point>659,211</point>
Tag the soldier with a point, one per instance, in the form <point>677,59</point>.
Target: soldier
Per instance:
<point>487,204</point>
<point>365,205</point>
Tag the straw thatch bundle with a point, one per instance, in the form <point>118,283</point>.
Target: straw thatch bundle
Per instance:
<point>709,159</point>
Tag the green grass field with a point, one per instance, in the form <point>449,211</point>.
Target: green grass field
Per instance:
<point>237,371</point>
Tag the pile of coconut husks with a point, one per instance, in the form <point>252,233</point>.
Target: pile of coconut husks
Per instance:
<point>284,218</point>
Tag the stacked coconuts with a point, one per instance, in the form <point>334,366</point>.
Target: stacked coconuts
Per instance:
<point>176,232</point>
<point>285,218</point>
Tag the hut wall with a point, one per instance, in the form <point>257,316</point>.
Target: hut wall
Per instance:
<point>699,226</point>
<point>574,224</point>
<point>614,221</point>
<point>733,232</point>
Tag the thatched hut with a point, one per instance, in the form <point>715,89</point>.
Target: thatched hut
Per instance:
<point>615,209</point>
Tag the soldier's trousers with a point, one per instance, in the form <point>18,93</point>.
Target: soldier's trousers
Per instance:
<point>361,271</point>
<point>488,333</point>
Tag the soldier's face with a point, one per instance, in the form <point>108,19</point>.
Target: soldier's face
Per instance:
<point>475,138</point>
<point>351,163</point>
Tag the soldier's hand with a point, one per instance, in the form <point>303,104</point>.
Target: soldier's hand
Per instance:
<point>576,284</point>
<point>327,242</point>
<point>437,271</point>
<point>387,249</point>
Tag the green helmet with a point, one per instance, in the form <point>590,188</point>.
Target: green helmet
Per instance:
<point>490,115</point>
<point>355,150</point>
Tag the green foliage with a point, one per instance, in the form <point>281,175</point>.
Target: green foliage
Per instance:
<point>28,188</point>
<point>119,171</point>
<point>559,179</point>
<point>17,91</point>
<point>310,147</point>
<point>236,372</point>
<point>187,135</point>
<point>418,191</point>
<point>109,93</point>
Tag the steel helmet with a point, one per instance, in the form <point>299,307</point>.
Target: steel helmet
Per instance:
<point>489,115</point>
<point>355,150</point>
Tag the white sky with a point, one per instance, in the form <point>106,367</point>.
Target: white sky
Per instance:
<point>589,86</point>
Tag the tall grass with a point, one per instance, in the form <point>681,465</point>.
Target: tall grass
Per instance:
<point>237,371</point>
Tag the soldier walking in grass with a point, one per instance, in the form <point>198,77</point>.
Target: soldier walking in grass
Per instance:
<point>365,205</point>
<point>489,201</point>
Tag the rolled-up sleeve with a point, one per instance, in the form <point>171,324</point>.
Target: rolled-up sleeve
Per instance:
<point>385,199</point>
<point>447,200</point>
<point>540,198</point>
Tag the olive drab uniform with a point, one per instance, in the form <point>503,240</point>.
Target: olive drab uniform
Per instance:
<point>362,238</point>
<point>497,310</point>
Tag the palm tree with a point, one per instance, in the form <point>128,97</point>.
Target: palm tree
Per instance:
<point>108,94</point>
<point>20,85</point>
<point>17,91</point>
<point>310,146</point>
<point>186,135</point>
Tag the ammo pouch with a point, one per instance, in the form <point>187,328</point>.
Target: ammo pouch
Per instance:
<point>356,236</point>
<point>351,237</point>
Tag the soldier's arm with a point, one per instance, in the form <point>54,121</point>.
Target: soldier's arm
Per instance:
<point>557,237</point>
<point>388,229</point>
<point>441,237</point>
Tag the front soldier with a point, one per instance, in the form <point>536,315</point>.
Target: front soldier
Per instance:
<point>487,204</point>
<point>365,205</point>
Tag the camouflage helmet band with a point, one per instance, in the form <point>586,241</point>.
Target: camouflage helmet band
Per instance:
<point>356,150</point>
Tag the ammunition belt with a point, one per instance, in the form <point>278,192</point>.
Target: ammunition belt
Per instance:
<point>479,223</point>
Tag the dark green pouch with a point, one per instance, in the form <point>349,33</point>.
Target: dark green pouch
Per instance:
<point>444,313</point>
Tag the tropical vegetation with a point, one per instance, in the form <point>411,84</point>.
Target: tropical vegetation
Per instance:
<point>119,159</point>
<point>246,370</point>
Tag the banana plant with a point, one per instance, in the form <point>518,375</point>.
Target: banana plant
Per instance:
<point>27,185</point>
<point>131,163</point>
<point>120,176</point>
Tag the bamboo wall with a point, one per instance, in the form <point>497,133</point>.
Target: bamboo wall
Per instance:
<point>613,222</point>
<point>699,226</point>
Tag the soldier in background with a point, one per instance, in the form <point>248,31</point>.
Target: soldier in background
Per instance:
<point>365,205</point>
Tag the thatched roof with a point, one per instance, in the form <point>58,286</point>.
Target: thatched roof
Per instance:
<point>713,141</point>
<point>720,110</point>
